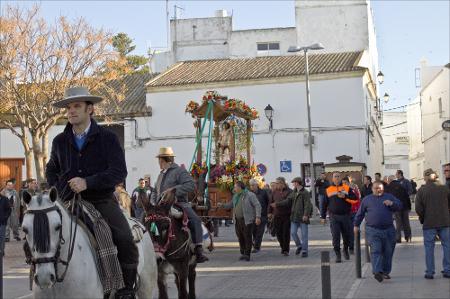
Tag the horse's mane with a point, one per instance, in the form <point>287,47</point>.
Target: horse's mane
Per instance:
<point>41,232</point>
<point>41,227</point>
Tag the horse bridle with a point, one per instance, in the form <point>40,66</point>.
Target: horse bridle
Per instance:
<point>56,259</point>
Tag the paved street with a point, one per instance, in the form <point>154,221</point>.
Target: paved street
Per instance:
<point>270,275</point>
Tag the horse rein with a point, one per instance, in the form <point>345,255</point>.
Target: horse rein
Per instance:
<point>56,259</point>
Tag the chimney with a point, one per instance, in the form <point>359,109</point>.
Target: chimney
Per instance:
<point>221,13</point>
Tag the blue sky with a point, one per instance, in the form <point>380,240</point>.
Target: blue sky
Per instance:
<point>407,31</point>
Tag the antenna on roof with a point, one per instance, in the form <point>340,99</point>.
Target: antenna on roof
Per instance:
<point>175,7</point>
<point>167,25</point>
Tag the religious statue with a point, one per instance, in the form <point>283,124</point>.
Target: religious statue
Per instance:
<point>224,142</point>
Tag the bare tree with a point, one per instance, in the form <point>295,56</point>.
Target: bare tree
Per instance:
<point>38,61</point>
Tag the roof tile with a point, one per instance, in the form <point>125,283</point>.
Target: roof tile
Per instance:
<point>222,70</point>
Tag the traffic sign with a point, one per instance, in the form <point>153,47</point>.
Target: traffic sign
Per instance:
<point>446,125</point>
<point>262,169</point>
<point>285,166</point>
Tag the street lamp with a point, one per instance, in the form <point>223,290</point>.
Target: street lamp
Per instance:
<point>380,77</point>
<point>316,46</point>
<point>386,97</point>
<point>268,111</point>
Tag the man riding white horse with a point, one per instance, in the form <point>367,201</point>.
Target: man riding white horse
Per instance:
<point>173,176</point>
<point>87,159</point>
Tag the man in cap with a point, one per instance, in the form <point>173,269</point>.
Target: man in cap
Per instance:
<point>173,176</point>
<point>432,206</point>
<point>87,159</point>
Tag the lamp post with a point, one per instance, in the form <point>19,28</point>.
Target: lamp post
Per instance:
<point>316,46</point>
<point>268,111</point>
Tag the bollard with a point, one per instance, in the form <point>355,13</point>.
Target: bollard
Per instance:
<point>326,274</point>
<point>367,248</point>
<point>358,253</point>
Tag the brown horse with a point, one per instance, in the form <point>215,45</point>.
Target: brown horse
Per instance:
<point>171,238</point>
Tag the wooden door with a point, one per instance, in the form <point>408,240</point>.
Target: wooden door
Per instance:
<point>11,168</point>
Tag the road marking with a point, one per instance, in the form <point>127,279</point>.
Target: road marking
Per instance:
<point>357,282</point>
<point>14,277</point>
<point>30,295</point>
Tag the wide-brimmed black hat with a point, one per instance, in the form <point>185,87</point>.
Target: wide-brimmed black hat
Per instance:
<point>77,94</point>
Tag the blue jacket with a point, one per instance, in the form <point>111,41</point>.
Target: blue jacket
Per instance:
<point>376,213</point>
<point>101,161</point>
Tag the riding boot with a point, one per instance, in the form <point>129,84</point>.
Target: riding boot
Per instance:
<point>201,258</point>
<point>129,278</point>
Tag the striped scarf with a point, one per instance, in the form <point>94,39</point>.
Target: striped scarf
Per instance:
<point>108,265</point>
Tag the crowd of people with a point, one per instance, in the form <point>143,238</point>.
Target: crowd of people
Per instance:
<point>285,213</point>
<point>87,161</point>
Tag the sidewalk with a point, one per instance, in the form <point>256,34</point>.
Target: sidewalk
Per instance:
<point>407,274</point>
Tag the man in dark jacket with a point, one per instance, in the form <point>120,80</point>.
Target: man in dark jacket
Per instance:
<point>258,230</point>
<point>322,184</point>
<point>338,202</point>
<point>366,189</point>
<point>87,159</point>
<point>281,222</point>
<point>5,211</point>
<point>401,216</point>
<point>175,177</point>
<point>141,194</point>
<point>433,208</point>
<point>301,210</point>
<point>404,182</point>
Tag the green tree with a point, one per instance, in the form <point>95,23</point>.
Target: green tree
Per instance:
<point>123,44</point>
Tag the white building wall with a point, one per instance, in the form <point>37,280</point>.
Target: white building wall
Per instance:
<point>243,43</point>
<point>396,143</point>
<point>336,132</point>
<point>416,148</point>
<point>435,106</point>
<point>200,38</point>
<point>340,25</point>
<point>11,146</point>
<point>346,24</point>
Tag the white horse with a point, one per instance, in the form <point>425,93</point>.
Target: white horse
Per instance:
<point>49,239</point>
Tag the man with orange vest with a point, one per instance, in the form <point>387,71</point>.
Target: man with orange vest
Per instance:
<point>338,202</point>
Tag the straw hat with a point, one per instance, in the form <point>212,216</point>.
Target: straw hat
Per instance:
<point>165,152</point>
<point>77,94</point>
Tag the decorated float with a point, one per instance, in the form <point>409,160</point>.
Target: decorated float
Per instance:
<point>228,151</point>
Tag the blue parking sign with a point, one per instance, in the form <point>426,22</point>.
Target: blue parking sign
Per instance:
<point>285,166</point>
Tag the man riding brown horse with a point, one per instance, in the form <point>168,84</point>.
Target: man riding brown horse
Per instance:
<point>174,177</point>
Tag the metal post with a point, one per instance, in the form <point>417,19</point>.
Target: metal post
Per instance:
<point>310,138</point>
<point>326,275</point>
<point>366,246</point>
<point>358,253</point>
